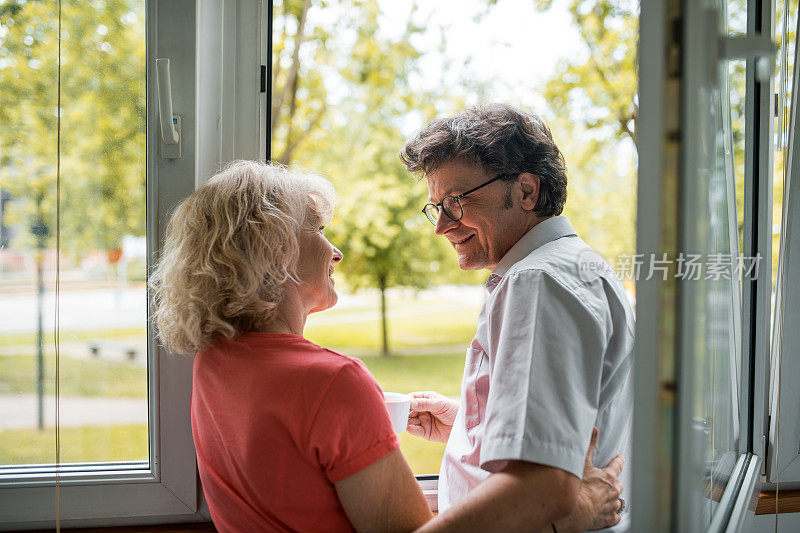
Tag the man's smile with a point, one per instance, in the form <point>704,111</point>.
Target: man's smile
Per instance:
<point>462,241</point>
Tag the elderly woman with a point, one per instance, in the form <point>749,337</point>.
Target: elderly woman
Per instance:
<point>290,436</point>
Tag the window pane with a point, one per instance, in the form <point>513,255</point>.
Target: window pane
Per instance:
<point>716,297</point>
<point>102,261</point>
<point>786,16</point>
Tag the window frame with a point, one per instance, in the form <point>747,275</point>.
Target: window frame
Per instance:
<point>429,483</point>
<point>167,490</point>
<point>673,65</point>
<point>784,445</point>
<point>218,79</point>
<point>757,240</point>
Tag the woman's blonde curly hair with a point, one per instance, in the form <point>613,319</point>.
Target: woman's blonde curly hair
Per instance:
<point>230,249</point>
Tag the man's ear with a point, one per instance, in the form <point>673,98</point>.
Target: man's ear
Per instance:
<point>529,184</point>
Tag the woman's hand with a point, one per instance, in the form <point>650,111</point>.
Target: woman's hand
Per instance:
<point>598,504</point>
<point>432,415</point>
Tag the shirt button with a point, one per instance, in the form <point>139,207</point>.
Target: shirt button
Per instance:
<point>463,458</point>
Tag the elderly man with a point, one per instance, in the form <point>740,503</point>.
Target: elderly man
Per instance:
<point>552,355</point>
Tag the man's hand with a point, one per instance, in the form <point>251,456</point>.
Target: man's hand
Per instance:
<point>598,504</point>
<point>432,415</point>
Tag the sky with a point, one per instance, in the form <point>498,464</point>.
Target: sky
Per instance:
<point>511,45</point>
<point>510,48</point>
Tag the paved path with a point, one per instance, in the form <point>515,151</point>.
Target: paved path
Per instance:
<point>84,309</point>
<point>113,350</point>
<point>108,308</point>
<point>18,411</point>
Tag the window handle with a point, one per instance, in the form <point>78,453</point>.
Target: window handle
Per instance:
<point>170,123</point>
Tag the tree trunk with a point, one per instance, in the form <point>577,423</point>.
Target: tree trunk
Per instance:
<point>384,330</point>
<point>288,92</point>
<point>40,230</point>
<point>39,338</point>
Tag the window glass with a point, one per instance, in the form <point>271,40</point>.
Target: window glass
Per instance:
<point>785,36</point>
<point>715,299</point>
<point>101,261</point>
<point>783,448</point>
<point>352,80</point>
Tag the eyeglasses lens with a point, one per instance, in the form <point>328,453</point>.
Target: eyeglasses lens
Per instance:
<point>452,207</point>
<point>432,212</point>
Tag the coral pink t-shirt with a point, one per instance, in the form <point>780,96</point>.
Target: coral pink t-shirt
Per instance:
<point>277,420</point>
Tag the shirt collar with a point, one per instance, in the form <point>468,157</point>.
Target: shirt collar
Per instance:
<point>545,231</point>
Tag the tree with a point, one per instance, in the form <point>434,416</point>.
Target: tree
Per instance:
<point>599,89</point>
<point>102,129</point>
<point>593,112</point>
<point>102,119</point>
<point>340,106</point>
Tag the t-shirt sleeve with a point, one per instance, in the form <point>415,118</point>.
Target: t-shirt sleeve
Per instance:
<point>351,428</point>
<point>545,380</point>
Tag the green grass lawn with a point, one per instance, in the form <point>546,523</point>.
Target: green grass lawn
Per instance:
<point>408,373</point>
<point>79,377</point>
<point>18,339</point>
<point>78,444</point>
<point>129,443</point>
<point>440,370</point>
<point>86,377</point>
<point>404,332</point>
<point>423,457</point>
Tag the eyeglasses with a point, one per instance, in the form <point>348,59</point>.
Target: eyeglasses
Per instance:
<point>451,205</point>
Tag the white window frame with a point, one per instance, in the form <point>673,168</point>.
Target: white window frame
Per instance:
<point>677,41</point>
<point>215,49</point>
<point>782,461</point>
<point>231,108</point>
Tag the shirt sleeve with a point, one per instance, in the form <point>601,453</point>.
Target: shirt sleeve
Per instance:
<point>546,374</point>
<point>351,429</point>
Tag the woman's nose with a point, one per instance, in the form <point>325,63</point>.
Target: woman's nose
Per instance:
<point>337,255</point>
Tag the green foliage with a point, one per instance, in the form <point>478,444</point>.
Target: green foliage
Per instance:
<point>340,105</point>
<point>102,120</point>
<point>343,93</point>
<point>601,197</point>
<point>597,91</point>
<point>592,114</point>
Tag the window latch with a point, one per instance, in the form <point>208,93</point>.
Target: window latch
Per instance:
<point>170,123</point>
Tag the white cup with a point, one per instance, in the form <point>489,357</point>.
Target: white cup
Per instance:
<point>399,405</point>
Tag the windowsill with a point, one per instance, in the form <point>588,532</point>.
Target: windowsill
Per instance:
<point>172,528</point>
<point>788,502</point>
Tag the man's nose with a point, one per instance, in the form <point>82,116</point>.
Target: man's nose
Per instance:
<point>337,255</point>
<point>443,223</point>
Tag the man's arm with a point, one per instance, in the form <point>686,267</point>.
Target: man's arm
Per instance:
<point>521,497</point>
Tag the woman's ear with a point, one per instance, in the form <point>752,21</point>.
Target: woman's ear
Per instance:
<point>529,184</point>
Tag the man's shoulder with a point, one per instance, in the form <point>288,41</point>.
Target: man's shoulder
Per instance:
<point>576,268</point>
<point>559,259</point>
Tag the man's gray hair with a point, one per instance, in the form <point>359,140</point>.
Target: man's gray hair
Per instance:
<point>500,138</point>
